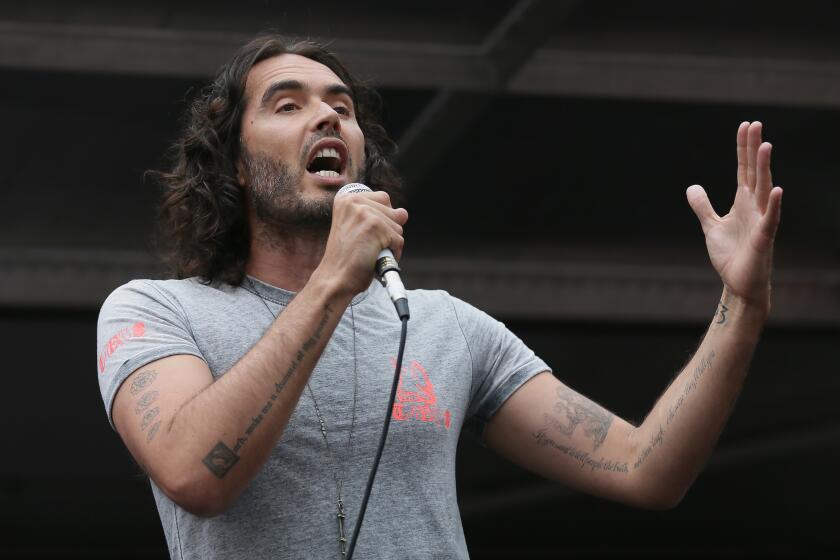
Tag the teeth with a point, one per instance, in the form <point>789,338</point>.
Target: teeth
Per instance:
<point>327,173</point>
<point>327,152</point>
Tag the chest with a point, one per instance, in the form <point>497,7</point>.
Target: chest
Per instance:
<point>349,387</point>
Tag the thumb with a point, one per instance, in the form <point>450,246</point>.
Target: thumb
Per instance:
<point>699,202</point>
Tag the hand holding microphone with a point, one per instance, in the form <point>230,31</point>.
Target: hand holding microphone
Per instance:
<point>357,223</point>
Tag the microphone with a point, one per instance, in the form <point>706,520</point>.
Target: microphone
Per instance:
<point>387,269</point>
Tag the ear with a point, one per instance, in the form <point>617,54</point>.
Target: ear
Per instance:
<point>240,172</point>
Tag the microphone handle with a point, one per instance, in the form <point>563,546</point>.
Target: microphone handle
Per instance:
<point>388,273</point>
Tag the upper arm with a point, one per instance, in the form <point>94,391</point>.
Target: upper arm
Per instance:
<point>146,403</point>
<point>550,429</point>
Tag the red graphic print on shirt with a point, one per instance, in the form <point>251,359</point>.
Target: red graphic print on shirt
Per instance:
<point>416,398</point>
<point>137,329</point>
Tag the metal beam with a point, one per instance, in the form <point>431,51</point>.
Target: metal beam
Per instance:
<point>450,113</point>
<point>509,290</point>
<point>197,54</point>
<point>564,71</point>
<point>680,77</point>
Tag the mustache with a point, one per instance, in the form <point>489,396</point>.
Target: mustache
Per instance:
<point>317,137</point>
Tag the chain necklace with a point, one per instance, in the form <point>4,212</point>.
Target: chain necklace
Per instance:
<point>339,481</point>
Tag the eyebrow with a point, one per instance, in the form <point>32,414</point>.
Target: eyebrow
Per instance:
<point>296,85</point>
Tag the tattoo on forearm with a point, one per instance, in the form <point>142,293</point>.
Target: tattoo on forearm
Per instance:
<point>722,312</point>
<point>576,410</point>
<point>221,458</point>
<point>144,401</point>
<point>655,441</point>
<point>582,457</point>
<point>142,380</point>
<point>691,384</point>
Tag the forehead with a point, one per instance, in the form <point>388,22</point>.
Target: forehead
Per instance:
<point>288,67</point>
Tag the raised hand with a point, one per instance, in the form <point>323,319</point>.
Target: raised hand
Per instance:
<point>740,244</point>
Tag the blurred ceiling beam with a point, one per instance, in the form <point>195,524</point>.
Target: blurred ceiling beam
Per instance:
<point>563,71</point>
<point>450,113</point>
<point>617,293</point>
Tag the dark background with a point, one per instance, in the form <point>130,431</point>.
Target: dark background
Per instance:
<point>546,148</point>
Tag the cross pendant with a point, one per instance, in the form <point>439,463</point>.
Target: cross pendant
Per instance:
<point>342,538</point>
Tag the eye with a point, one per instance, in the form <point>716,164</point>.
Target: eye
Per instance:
<point>287,108</point>
<point>342,110</point>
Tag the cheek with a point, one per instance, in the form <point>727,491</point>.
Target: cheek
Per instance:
<point>358,150</point>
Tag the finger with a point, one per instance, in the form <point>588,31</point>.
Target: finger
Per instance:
<point>379,196</point>
<point>764,180</point>
<point>397,245</point>
<point>699,202</point>
<point>381,202</point>
<point>741,143</point>
<point>753,141</point>
<point>390,236</point>
<point>398,215</point>
<point>769,223</point>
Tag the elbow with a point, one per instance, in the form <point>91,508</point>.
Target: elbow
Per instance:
<point>663,501</point>
<point>659,495</point>
<point>196,494</point>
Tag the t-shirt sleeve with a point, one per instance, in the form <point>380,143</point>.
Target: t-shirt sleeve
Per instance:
<point>138,324</point>
<point>501,362</point>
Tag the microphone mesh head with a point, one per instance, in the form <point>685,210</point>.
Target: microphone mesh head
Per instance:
<point>350,188</point>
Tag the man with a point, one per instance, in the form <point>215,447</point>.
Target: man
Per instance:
<point>252,391</point>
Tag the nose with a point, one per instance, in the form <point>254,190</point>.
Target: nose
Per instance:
<point>327,119</point>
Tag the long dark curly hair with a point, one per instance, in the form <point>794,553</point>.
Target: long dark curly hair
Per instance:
<point>203,229</point>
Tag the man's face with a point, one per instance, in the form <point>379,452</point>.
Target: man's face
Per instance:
<point>300,141</point>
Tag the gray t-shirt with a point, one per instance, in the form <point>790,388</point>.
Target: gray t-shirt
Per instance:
<point>460,365</point>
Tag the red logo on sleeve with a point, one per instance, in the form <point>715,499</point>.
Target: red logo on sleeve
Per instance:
<point>122,336</point>
<point>416,398</point>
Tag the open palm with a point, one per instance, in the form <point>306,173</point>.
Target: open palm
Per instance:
<point>740,244</point>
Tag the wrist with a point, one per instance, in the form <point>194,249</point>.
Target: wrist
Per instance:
<point>753,308</point>
<point>329,286</point>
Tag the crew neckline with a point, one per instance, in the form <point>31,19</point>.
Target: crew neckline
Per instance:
<point>283,296</point>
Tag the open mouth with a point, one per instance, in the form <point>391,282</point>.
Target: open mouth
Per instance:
<point>328,161</point>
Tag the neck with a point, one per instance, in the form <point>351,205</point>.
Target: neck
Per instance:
<point>285,260</point>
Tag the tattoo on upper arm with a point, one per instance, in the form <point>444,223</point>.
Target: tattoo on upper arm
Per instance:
<point>148,416</point>
<point>144,401</point>
<point>152,432</point>
<point>575,410</point>
<point>221,458</point>
<point>582,457</point>
<point>142,380</point>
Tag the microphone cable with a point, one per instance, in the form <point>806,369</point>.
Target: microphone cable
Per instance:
<point>382,438</point>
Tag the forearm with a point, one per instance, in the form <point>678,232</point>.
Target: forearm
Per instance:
<point>676,438</point>
<point>218,440</point>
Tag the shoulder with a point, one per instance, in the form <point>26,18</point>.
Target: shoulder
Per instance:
<point>440,303</point>
<point>172,295</point>
<point>166,290</point>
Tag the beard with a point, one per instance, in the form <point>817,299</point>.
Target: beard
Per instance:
<point>276,196</point>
